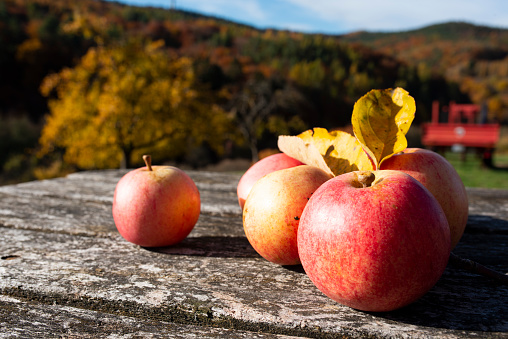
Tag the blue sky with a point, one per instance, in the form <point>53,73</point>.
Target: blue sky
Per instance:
<point>341,16</point>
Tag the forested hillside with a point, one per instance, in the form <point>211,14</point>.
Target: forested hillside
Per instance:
<point>93,84</point>
<point>475,57</point>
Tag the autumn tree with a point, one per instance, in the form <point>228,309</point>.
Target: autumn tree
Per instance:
<point>120,101</point>
<point>266,105</point>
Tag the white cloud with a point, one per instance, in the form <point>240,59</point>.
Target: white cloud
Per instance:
<point>247,9</point>
<point>404,14</point>
<point>342,16</point>
<point>296,27</point>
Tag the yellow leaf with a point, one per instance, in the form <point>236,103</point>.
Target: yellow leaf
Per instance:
<point>340,150</point>
<point>335,152</point>
<point>306,152</point>
<point>380,120</point>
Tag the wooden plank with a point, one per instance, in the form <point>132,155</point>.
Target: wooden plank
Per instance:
<point>241,290</point>
<point>21,319</point>
<point>214,277</point>
<point>64,204</point>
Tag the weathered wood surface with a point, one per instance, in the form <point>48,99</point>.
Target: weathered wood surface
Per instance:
<point>65,271</point>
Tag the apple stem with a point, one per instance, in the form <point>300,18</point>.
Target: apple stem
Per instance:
<point>366,178</point>
<point>477,268</point>
<point>148,162</point>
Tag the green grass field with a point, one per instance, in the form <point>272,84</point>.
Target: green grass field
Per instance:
<point>473,174</point>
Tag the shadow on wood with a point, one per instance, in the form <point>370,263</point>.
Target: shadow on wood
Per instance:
<point>212,246</point>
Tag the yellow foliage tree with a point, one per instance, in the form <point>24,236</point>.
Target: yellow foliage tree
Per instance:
<point>119,102</point>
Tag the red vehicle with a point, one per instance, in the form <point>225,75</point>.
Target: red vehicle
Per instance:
<point>466,127</point>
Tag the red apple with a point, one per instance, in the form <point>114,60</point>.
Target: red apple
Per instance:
<point>264,166</point>
<point>441,179</point>
<point>373,248</point>
<point>273,208</point>
<point>156,206</point>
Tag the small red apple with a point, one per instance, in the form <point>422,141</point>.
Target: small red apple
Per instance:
<point>273,209</point>
<point>264,166</point>
<point>441,179</point>
<point>156,206</point>
<point>373,248</point>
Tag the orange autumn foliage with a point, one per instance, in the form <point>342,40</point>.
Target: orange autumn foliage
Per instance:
<point>121,101</point>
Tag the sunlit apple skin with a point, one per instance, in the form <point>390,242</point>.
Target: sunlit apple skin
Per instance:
<point>376,248</point>
<point>264,166</point>
<point>156,208</point>
<point>273,209</point>
<point>441,179</point>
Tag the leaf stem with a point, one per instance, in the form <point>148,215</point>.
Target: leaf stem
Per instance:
<point>477,268</point>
